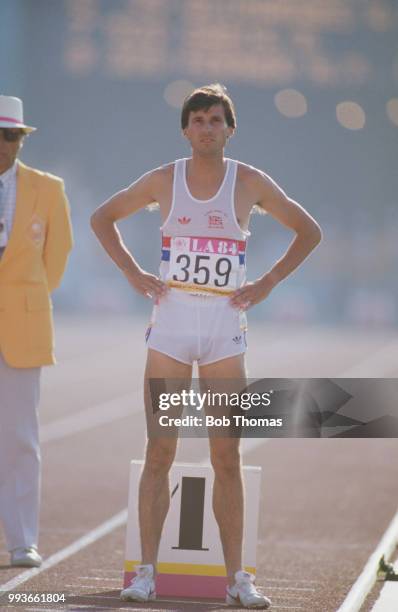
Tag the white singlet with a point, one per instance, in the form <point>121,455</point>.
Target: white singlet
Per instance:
<point>203,262</point>
<point>203,246</point>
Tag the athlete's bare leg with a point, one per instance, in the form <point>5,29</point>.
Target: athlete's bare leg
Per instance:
<point>154,494</point>
<point>228,501</point>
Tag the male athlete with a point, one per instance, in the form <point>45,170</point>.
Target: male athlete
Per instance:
<point>201,296</point>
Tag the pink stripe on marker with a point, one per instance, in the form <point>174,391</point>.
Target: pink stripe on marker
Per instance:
<point>184,585</point>
<point>173,585</point>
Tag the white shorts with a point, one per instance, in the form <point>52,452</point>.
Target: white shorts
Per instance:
<point>196,328</point>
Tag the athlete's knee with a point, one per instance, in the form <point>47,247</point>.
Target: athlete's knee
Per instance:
<point>225,459</point>
<point>160,455</point>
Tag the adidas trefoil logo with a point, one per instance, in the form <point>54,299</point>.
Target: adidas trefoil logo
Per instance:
<point>237,339</point>
<point>184,220</point>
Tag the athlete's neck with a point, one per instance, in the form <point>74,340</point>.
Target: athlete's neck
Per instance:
<point>206,166</point>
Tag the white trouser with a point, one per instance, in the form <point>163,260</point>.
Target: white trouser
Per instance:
<point>19,454</point>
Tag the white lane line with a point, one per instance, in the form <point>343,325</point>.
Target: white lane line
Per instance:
<point>100,414</point>
<point>275,588</point>
<point>388,596</point>
<point>92,536</point>
<point>101,578</point>
<point>365,581</point>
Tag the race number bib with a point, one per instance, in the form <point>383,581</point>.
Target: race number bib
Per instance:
<point>204,265</point>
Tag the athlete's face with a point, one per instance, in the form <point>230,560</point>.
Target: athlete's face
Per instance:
<point>207,130</point>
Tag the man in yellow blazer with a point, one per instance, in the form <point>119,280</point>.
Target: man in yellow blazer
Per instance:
<point>35,240</point>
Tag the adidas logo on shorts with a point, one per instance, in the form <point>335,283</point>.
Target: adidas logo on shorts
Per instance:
<point>237,339</point>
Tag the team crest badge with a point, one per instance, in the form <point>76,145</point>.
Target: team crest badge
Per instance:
<point>215,219</point>
<point>36,230</point>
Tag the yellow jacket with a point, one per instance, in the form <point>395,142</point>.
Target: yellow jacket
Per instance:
<point>32,266</point>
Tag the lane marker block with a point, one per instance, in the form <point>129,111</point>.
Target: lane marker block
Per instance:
<point>191,562</point>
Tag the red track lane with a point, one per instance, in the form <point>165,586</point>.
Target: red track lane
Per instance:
<point>325,503</point>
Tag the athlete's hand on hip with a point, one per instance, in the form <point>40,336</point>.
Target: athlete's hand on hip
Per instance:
<point>146,284</point>
<point>251,293</point>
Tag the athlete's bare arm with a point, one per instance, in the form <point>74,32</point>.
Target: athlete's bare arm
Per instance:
<point>151,187</point>
<point>264,192</point>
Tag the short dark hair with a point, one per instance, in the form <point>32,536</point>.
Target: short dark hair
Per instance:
<point>203,98</point>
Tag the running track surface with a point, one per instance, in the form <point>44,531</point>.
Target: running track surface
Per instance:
<point>325,504</point>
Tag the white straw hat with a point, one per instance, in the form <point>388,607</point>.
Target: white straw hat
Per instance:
<point>11,114</point>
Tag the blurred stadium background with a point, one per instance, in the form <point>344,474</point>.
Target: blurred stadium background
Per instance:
<point>315,85</point>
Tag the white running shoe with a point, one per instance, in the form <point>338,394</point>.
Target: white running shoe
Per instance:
<point>244,593</point>
<point>26,557</point>
<point>142,586</point>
